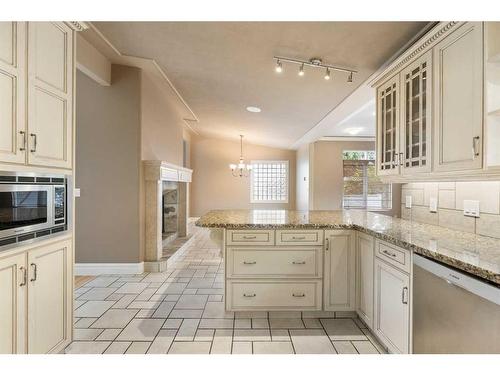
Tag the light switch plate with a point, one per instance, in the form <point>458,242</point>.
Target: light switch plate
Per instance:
<point>433,204</point>
<point>77,192</point>
<point>471,208</point>
<point>408,201</point>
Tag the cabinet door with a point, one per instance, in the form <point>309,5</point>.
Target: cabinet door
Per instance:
<point>416,83</point>
<point>458,99</point>
<point>12,92</point>
<point>392,312</point>
<point>339,276</point>
<point>50,94</point>
<point>13,304</point>
<point>364,270</point>
<point>49,297</point>
<point>388,127</point>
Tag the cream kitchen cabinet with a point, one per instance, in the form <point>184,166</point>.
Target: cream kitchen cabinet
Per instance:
<point>365,258</point>
<point>12,92</point>
<point>37,288</point>
<point>459,99</point>
<point>36,92</point>
<point>391,321</point>
<point>13,285</point>
<point>339,292</point>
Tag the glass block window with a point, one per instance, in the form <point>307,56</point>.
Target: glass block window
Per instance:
<point>269,181</point>
<point>362,188</point>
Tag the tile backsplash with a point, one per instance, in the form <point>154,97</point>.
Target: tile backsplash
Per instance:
<point>450,197</point>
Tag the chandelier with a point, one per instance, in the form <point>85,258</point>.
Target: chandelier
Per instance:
<point>241,169</point>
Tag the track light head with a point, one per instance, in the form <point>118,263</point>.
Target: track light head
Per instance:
<point>327,74</point>
<point>301,70</point>
<point>279,67</point>
<point>349,78</point>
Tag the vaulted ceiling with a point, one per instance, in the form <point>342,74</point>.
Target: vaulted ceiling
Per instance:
<point>220,68</point>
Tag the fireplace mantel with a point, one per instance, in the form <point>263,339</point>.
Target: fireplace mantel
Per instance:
<point>155,173</point>
<point>157,170</point>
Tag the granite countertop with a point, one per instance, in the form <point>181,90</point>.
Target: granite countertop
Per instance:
<point>471,253</point>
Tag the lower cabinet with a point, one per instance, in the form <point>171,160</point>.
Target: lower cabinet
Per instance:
<point>36,287</point>
<point>339,291</point>
<point>392,307</point>
<point>365,258</point>
<point>13,304</point>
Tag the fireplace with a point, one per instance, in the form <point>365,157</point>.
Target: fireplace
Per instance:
<point>170,209</point>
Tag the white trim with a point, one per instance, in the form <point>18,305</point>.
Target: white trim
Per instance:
<point>93,269</point>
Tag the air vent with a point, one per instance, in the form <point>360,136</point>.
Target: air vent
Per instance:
<point>59,229</point>
<point>7,178</point>
<point>42,233</point>
<point>25,237</point>
<point>57,180</point>
<point>43,179</point>
<point>8,241</point>
<point>26,179</point>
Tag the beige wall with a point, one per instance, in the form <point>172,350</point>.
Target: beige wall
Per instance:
<point>327,175</point>
<point>302,180</point>
<point>213,185</point>
<point>162,127</point>
<point>107,168</point>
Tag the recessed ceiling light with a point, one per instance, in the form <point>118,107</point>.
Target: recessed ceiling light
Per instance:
<point>253,109</point>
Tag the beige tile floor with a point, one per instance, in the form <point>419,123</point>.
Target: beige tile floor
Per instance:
<point>181,311</point>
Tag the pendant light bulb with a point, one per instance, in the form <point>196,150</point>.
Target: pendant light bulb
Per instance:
<point>349,78</point>
<point>327,75</point>
<point>279,67</point>
<point>301,70</point>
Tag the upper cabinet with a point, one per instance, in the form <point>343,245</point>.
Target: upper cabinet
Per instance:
<point>36,94</point>
<point>447,106</point>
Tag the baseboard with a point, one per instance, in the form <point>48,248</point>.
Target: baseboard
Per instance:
<point>93,269</point>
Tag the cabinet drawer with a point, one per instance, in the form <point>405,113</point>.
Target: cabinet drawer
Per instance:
<point>274,295</point>
<point>394,255</point>
<point>250,237</point>
<point>274,262</point>
<point>299,237</point>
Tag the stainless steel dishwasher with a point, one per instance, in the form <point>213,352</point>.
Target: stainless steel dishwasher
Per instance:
<point>453,312</point>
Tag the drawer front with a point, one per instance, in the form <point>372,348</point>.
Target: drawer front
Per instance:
<point>299,237</point>
<point>273,262</point>
<point>250,237</point>
<point>394,255</point>
<point>274,295</point>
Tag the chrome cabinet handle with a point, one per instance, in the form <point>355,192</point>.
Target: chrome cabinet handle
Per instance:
<point>245,262</point>
<point>249,295</point>
<point>395,161</point>
<point>475,151</point>
<point>23,133</point>
<point>401,158</point>
<point>25,275</point>
<point>33,265</point>
<point>327,244</point>
<point>33,135</point>
<point>303,262</point>
<point>388,253</point>
<point>298,295</point>
<point>404,296</point>
<point>298,238</point>
<point>249,237</point>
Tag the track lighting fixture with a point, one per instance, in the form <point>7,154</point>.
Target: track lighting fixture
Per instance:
<point>327,74</point>
<point>314,63</point>
<point>301,70</point>
<point>279,67</point>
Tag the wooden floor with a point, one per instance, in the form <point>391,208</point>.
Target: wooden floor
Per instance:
<point>81,280</point>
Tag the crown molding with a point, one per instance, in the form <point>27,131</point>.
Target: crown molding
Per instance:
<point>78,25</point>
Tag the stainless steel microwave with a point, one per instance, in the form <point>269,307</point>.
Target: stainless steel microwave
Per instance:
<point>31,207</point>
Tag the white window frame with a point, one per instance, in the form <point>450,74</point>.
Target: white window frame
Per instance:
<point>287,181</point>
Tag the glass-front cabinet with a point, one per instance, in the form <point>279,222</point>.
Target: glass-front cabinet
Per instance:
<point>388,127</point>
<point>414,155</point>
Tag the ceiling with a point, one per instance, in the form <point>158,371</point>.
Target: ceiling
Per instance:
<point>220,68</point>
<point>360,123</point>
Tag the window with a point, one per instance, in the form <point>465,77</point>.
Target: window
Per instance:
<point>362,187</point>
<point>269,181</point>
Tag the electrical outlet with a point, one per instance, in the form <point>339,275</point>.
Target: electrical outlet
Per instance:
<point>433,204</point>
<point>76,192</point>
<point>408,201</point>
<point>471,208</point>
